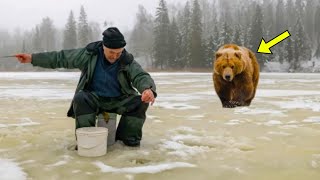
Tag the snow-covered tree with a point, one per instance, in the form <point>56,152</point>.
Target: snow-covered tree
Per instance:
<point>196,50</point>
<point>141,38</point>
<point>70,33</point>
<point>47,34</point>
<point>83,29</point>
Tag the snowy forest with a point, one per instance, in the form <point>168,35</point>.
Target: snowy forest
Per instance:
<point>184,37</point>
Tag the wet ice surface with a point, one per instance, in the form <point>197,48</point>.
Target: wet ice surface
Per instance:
<point>187,134</point>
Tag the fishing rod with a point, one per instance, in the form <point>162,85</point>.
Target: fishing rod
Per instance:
<point>8,56</point>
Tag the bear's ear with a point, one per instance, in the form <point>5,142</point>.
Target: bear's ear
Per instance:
<point>218,55</point>
<point>238,54</point>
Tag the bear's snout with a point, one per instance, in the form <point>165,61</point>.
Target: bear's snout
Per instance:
<point>227,77</point>
<point>228,74</point>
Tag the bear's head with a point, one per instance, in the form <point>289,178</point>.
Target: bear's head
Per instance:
<point>228,64</point>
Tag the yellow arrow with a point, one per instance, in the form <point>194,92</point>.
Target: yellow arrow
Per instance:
<point>265,47</point>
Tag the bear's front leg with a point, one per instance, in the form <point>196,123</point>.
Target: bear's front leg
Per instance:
<point>225,97</point>
<point>243,94</point>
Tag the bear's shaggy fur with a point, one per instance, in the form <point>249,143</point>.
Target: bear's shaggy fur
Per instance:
<point>235,75</point>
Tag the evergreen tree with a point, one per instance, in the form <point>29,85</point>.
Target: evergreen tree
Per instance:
<point>23,49</point>
<point>83,29</point>
<point>302,51</point>
<point>236,39</point>
<point>317,31</point>
<point>226,10</point>
<point>280,21</point>
<point>197,58</point>
<point>256,34</point>
<point>290,13</point>
<point>256,29</point>
<point>209,15</point>
<point>47,34</point>
<point>216,42</point>
<point>247,37</point>
<point>309,17</point>
<point>289,51</point>
<point>36,40</point>
<point>95,32</point>
<point>161,42</point>
<point>180,61</point>
<point>209,52</point>
<point>299,9</point>
<point>141,38</point>
<point>294,65</point>
<point>174,46</point>
<point>185,29</point>
<point>225,34</point>
<point>268,21</point>
<point>70,33</point>
<point>281,53</point>
<point>270,57</point>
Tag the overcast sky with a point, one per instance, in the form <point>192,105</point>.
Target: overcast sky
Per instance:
<point>27,13</point>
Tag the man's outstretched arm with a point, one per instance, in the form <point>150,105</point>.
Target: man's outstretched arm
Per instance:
<point>68,59</point>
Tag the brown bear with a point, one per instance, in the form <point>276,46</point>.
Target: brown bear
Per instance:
<point>235,75</point>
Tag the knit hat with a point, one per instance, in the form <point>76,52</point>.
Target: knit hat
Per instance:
<point>113,39</point>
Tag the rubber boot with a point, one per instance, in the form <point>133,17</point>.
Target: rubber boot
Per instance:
<point>86,120</point>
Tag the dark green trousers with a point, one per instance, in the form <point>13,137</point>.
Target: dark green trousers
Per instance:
<point>87,106</point>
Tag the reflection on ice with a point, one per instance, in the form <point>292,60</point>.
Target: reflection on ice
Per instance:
<point>315,163</point>
<point>300,103</point>
<point>37,93</point>
<point>39,75</point>
<point>253,111</point>
<point>313,119</point>
<point>277,93</point>
<point>11,171</point>
<point>59,163</point>
<point>23,122</point>
<point>177,148</point>
<point>179,106</point>
<point>273,123</point>
<point>152,169</point>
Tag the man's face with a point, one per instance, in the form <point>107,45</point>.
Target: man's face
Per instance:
<point>112,54</point>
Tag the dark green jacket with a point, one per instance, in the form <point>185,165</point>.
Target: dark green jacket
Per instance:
<point>130,74</point>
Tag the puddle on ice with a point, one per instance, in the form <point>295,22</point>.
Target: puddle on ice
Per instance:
<point>187,134</point>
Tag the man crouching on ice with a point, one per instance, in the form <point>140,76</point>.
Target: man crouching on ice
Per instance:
<point>108,81</point>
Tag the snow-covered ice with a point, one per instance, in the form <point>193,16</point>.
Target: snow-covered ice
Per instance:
<point>187,134</point>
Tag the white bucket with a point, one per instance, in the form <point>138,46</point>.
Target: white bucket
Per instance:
<point>92,141</point>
